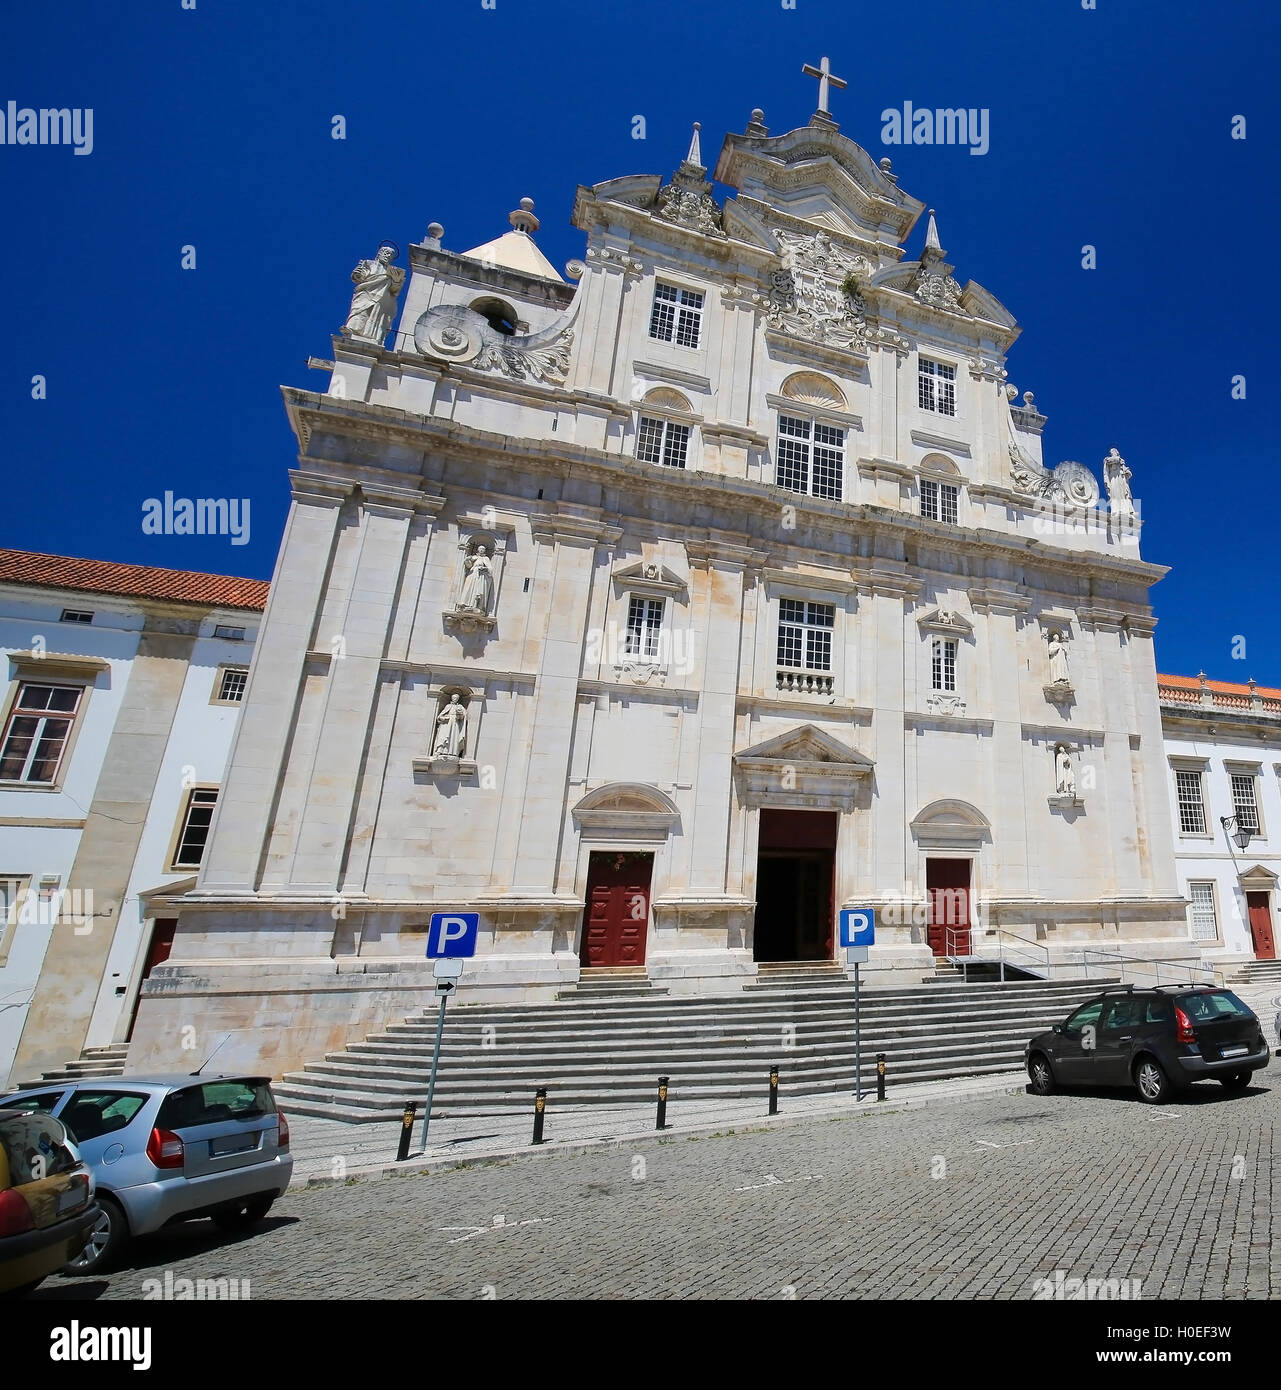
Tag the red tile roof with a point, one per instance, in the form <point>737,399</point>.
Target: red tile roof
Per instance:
<point>1218,687</point>
<point>134,581</point>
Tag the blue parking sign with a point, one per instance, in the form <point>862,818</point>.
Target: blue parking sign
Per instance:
<point>858,926</point>
<point>452,934</point>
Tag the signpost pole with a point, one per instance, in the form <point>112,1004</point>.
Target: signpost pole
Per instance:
<point>858,1039</point>
<point>435,1061</point>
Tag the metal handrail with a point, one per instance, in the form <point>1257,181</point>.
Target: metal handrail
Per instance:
<point>1111,957</point>
<point>952,936</point>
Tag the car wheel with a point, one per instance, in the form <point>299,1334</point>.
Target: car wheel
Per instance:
<point>1236,1081</point>
<point>1153,1085</point>
<point>243,1217</point>
<point>106,1241</point>
<point>1040,1074</point>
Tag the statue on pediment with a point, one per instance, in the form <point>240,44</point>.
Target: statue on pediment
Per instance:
<point>1116,478</point>
<point>373,304</point>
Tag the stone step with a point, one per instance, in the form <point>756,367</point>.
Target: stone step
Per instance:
<point>320,1102</point>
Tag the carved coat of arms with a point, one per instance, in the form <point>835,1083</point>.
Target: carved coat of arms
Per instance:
<point>808,296</point>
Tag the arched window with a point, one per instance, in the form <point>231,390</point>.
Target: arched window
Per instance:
<point>498,314</point>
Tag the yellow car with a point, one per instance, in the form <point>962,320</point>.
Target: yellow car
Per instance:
<point>47,1207</point>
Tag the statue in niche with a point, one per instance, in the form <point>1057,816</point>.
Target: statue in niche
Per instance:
<point>1056,643</point>
<point>478,585</point>
<point>1116,478</point>
<point>451,729</point>
<point>1064,776</point>
<point>373,304</point>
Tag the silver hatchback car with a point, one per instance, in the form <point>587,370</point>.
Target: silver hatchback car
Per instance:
<point>164,1149</point>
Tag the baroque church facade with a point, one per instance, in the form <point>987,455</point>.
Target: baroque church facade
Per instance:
<point>659,613</point>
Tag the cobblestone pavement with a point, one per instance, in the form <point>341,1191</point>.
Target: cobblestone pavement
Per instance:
<point>973,1199</point>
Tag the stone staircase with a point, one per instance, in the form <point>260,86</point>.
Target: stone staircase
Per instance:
<point>612,982</point>
<point>1259,972</point>
<point>611,1051</point>
<point>93,1061</point>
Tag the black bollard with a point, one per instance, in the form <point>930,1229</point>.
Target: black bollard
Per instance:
<point>661,1122</point>
<point>540,1105</point>
<point>880,1076</point>
<point>406,1129</point>
<point>773,1090</point>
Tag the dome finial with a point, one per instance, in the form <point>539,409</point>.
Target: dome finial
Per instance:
<point>523,218</point>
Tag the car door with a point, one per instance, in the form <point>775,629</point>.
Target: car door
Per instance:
<point>1119,1028</point>
<point>1076,1040</point>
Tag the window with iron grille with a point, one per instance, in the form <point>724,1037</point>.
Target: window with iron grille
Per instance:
<point>36,736</point>
<point>805,634</point>
<point>677,316</point>
<point>662,441</point>
<point>76,615</point>
<point>810,457</point>
<point>229,634</point>
<point>1191,803</point>
<point>943,663</point>
<point>1244,803</point>
<point>936,387</point>
<point>1205,922</point>
<point>195,827</point>
<point>939,501</point>
<point>231,684</point>
<point>644,627</point>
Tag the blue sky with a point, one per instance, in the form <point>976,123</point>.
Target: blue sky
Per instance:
<point>1109,126</point>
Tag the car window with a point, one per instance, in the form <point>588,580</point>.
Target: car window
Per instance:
<point>35,1147</point>
<point>1213,1004</point>
<point>1084,1016</point>
<point>91,1114</point>
<point>216,1102</point>
<point>1159,1010</point>
<point>45,1101</point>
<point>1124,1013</point>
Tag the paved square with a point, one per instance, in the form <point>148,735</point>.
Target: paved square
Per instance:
<point>970,1199</point>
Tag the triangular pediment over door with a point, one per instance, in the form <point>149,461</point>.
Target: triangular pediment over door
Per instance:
<point>805,767</point>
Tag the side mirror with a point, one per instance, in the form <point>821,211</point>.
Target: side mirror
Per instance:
<point>1058,1028</point>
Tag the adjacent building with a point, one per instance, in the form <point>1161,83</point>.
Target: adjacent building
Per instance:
<point>659,611</point>
<point>123,684</point>
<point>1223,745</point>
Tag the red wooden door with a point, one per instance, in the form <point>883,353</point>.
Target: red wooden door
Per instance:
<point>616,915</point>
<point>1261,926</point>
<point>947,884</point>
<point>162,931</point>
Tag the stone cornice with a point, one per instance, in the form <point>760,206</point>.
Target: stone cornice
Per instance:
<point>572,528</point>
<point>885,468</point>
<point>714,549</point>
<point>561,458</point>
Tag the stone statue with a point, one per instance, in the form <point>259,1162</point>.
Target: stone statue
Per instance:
<point>378,285</point>
<point>1057,645</point>
<point>478,586</point>
<point>1064,777</point>
<point>451,730</point>
<point>1116,478</point>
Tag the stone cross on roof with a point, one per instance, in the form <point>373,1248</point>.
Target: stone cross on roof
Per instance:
<point>825,80</point>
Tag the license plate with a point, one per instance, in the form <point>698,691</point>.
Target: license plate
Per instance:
<point>72,1197</point>
<point>234,1144</point>
<point>1234,1052</point>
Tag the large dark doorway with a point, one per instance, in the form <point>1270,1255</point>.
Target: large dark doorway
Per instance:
<point>795,882</point>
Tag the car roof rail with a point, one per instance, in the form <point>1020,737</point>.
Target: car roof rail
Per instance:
<point>1183,989</point>
<point>1118,989</point>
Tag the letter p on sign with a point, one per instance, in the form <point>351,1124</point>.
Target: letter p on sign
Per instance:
<point>452,934</point>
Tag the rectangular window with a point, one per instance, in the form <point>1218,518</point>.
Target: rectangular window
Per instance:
<point>1191,804</point>
<point>229,634</point>
<point>943,664</point>
<point>802,443</point>
<point>936,387</point>
<point>76,615</point>
<point>231,684</point>
<point>662,441</point>
<point>805,634</point>
<point>37,732</point>
<point>13,889</point>
<point>1205,924</point>
<point>1244,803</point>
<point>195,827</point>
<point>677,316</point>
<point>948,498</point>
<point>644,627</point>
